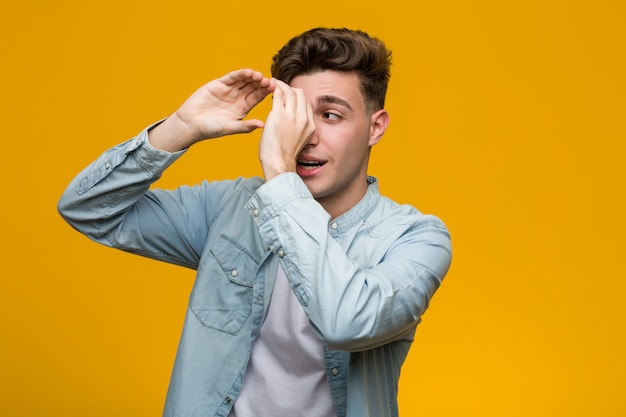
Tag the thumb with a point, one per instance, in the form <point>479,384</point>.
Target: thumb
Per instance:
<point>247,126</point>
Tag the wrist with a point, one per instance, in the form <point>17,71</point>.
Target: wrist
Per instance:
<point>276,166</point>
<point>172,135</point>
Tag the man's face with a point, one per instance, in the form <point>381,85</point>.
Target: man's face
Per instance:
<point>333,164</point>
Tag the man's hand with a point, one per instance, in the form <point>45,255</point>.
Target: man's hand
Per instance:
<point>216,109</point>
<point>288,128</point>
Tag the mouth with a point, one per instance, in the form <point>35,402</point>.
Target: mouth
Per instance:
<point>309,167</point>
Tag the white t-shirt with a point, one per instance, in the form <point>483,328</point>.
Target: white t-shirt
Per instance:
<point>286,373</point>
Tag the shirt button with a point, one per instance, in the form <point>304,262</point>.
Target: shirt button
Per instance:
<point>281,253</point>
<point>234,273</point>
<point>228,400</point>
<point>333,226</point>
<point>107,165</point>
<point>259,297</point>
<point>335,371</point>
<point>255,212</point>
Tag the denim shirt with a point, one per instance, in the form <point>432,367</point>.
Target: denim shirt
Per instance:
<point>364,279</point>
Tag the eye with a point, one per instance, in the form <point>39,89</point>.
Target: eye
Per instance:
<point>331,116</point>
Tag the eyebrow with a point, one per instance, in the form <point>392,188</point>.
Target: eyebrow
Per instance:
<point>333,100</point>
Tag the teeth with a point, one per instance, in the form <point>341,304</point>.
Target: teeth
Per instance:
<point>310,163</point>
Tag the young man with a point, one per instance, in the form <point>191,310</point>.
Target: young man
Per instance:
<point>309,283</point>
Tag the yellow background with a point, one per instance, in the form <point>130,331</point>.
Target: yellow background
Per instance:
<point>507,122</point>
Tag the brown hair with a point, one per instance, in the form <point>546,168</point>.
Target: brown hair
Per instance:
<point>344,50</point>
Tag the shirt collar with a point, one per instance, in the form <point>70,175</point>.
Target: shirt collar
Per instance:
<point>362,209</point>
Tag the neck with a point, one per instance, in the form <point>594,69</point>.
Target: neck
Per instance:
<point>338,205</point>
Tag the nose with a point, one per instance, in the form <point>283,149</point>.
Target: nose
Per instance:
<point>313,138</point>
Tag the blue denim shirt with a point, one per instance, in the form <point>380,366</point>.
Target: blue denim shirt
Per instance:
<point>364,279</point>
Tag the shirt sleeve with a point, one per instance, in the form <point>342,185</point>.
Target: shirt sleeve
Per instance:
<point>351,307</point>
<point>110,202</point>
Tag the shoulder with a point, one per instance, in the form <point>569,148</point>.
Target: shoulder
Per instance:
<point>241,185</point>
<point>391,212</point>
<point>402,228</point>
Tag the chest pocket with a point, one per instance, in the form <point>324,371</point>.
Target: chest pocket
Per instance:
<point>221,298</point>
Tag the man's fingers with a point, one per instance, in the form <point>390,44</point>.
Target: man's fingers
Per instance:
<point>290,97</point>
<point>252,124</point>
<point>246,80</point>
<point>241,77</point>
<point>302,103</point>
<point>255,96</point>
<point>278,101</point>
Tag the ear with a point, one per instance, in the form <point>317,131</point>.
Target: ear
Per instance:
<point>378,124</point>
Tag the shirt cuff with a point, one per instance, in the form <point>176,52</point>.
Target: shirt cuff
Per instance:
<point>273,196</point>
<point>148,157</point>
<point>286,192</point>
